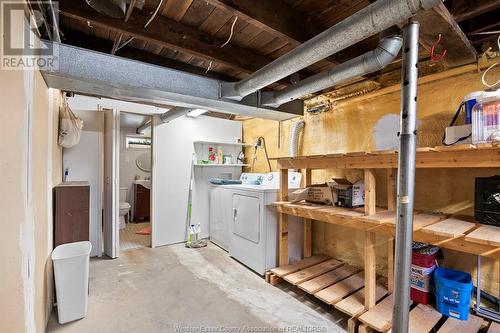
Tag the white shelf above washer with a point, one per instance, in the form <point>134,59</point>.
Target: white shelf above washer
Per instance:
<point>220,165</point>
<point>240,144</point>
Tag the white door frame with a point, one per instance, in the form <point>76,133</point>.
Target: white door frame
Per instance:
<point>111,183</point>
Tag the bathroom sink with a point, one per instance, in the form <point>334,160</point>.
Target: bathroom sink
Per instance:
<point>143,182</point>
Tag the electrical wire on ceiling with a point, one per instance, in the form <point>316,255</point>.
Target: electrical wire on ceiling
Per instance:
<point>154,14</point>
<point>209,67</point>
<point>148,22</point>
<point>231,33</point>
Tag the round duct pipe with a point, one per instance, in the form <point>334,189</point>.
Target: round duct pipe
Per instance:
<point>294,137</point>
<point>113,8</point>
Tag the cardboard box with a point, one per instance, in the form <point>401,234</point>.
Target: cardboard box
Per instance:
<point>320,194</point>
<point>347,194</point>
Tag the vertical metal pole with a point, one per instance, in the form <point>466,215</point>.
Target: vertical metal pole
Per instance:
<point>478,284</point>
<point>406,178</point>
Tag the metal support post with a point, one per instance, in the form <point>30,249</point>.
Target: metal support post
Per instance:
<point>406,178</point>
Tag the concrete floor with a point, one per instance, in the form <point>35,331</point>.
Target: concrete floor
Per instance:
<point>175,289</point>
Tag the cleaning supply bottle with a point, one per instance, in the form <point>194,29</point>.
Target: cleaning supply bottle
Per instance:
<point>219,155</point>
<point>211,155</point>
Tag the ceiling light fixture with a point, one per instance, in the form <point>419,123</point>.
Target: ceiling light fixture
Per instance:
<point>196,112</point>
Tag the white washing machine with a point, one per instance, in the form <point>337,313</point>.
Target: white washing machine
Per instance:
<point>221,209</point>
<point>254,238</point>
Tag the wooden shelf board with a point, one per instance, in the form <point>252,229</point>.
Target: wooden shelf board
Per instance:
<point>422,319</point>
<point>330,214</point>
<point>421,220</point>
<point>380,316</point>
<point>384,217</point>
<point>494,328</point>
<point>355,218</point>
<point>336,292</point>
<point>463,156</point>
<point>354,305</point>
<point>220,165</point>
<point>466,146</point>
<point>295,267</point>
<point>316,284</point>
<point>451,227</point>
<point>471,325</point>
<point>485,234</point>
<point>313,271</point>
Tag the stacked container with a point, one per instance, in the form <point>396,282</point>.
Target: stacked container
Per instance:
<point>486,118</point>
<point>453,293</point>
<point>423,265</point>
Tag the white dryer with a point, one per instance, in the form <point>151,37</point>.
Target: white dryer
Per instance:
<point>254,236</point>
<point>221,209</point>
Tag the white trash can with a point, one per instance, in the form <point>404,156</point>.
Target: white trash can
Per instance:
<point>71,271</point>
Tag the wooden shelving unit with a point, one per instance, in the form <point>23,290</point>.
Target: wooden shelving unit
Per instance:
<point>358,292</point>
<point>220,165</point>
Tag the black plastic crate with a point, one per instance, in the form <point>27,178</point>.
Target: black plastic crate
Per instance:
<point>487,200</point>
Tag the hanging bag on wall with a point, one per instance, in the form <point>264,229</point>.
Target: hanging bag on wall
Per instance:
<point>70,127</point>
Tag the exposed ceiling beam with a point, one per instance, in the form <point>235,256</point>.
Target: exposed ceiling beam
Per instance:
<point>280,19</point>
<point>92,73</point>
<point>482,22</point>
<point>466,9</point>
<point>275,16</point>
<point>80,39</point>
<point>170,34</point>
<point>438,20</point>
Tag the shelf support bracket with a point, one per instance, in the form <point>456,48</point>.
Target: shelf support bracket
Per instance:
<point>307,244</point>
<point>283,220</point>
<point>406,178</point>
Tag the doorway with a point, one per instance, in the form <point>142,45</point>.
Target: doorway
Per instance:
<point>134,220</point>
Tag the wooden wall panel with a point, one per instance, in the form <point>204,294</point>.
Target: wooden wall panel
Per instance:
<point>363,125</point>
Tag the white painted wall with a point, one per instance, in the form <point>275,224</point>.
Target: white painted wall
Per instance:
<point>85,161</point>
<point>172,164</point>
<point>128,168</point>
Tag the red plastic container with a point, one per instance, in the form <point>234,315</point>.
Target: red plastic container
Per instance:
<point>423,260</point>
<point>422,270</point>
<point>418,296</point>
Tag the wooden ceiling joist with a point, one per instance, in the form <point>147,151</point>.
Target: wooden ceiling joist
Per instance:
<point>272,16</point>
<point>280,19</point>
<point>466,9</point>
<point>438,20</point>
<point>170,34</point>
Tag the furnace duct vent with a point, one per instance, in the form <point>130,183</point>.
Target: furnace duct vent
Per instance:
<point>113,8</point>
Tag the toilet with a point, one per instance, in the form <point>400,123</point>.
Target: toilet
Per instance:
<point>124,206</point>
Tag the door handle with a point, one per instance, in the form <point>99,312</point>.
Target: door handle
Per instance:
<point>235,214</point>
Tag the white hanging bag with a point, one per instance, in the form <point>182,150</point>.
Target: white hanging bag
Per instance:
<point>70,127</point>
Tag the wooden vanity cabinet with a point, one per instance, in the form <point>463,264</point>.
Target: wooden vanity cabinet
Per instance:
<point>142,201</point>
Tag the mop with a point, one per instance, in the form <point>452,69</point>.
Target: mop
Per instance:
<point>192,232</point>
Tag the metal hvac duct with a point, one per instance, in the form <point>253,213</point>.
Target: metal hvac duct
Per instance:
<point>378,16</point>
<point>98,74</point>
<point>369,62</point>
<point>174,113</point>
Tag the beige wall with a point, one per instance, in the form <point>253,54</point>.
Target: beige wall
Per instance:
<point>31,163</point>
<point>358,126</point>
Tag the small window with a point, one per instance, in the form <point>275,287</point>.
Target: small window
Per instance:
<point>140,142</point>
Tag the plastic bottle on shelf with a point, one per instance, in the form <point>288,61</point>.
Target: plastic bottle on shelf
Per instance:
<point>486,117</point>
<point>211,154</point>
<point>219,155</point>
